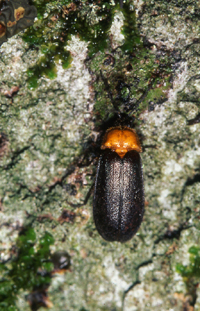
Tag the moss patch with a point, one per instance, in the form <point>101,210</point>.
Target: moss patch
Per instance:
<point>25,270</point>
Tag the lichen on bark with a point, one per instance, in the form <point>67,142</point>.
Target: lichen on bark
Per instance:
<point>48,157</point>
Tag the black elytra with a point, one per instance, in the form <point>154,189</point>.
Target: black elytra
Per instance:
<point>118,205</point>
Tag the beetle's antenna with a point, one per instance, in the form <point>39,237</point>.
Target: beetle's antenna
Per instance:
<point>105,81</point>
<point>121,4</point>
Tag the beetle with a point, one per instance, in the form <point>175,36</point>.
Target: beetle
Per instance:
<point>118,205</point>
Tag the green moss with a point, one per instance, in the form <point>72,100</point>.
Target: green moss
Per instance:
<point>131,77</point>
<point>129,30</point>
<point>134,81</point>
<point>193,269</point>
<point>147,80</point>
<point>63,19</point>
<point>22,272</point>
<point>191,273</point>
